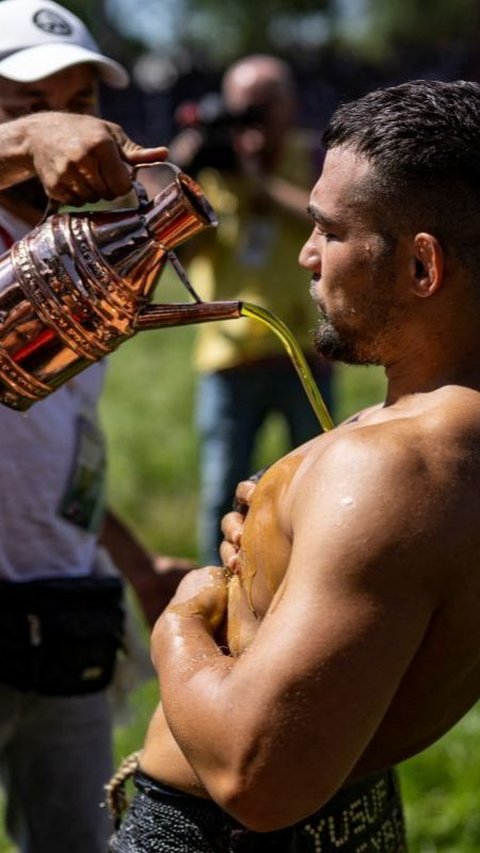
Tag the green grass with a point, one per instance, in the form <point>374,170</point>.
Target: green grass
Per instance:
<point>153,483</point>
<point>440,789</point>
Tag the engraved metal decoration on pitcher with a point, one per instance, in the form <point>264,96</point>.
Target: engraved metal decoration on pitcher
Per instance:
<point>79,284</point>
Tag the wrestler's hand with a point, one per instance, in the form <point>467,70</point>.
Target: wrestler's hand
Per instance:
<point>202,593</point>
<point>232,525</point>
<point>81,158</point>
<point>194,618</point>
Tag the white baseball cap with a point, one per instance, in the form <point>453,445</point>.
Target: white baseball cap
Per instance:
<point>39,38</point>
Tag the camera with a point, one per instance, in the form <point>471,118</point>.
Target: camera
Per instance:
<point>211,112</point>
<point>215,122</point>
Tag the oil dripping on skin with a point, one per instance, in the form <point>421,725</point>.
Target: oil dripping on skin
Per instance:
<point>264,554</point>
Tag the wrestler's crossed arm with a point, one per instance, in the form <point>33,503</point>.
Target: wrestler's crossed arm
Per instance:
<point>274,733</point>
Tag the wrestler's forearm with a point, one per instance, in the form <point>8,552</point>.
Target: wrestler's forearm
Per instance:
<point>192,669</point>
<point>188,662</point>
<point>227,731</point>
<point>283,705</point>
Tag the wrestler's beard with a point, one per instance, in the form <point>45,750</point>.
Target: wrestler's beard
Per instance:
<point>363,343</point>
<point>335,344</point>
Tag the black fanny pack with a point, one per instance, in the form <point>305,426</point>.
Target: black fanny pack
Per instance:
<point>60,637</point>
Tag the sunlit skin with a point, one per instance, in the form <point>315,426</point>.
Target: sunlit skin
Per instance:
<point>76,156</point>
<point>350,601</point>
<point>356,323</point>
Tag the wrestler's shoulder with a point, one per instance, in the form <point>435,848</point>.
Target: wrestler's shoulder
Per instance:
<point>434,440</point>
<point>403,450</point>
<point>424,438</point>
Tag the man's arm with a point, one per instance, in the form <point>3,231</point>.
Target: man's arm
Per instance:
<point>274,733</point>
<point>154,578</point>
<point>77,158</point>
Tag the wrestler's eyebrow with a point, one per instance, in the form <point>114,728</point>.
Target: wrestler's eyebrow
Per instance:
<point>320,217</point>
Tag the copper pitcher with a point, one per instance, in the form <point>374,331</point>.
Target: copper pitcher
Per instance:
<point>80,283</point>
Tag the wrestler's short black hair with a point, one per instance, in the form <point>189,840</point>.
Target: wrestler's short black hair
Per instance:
<point>422,139</point>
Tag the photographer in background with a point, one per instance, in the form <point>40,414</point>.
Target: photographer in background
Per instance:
<point>255,168</point>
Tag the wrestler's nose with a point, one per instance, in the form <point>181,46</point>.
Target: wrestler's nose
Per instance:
<point>309,257</point>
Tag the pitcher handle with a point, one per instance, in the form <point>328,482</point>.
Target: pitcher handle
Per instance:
<point>138,186</point>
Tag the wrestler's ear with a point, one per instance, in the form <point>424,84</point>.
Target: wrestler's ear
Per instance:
<point>427,265</point>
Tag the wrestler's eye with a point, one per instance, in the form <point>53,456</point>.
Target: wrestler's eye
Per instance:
<point>327,235</point>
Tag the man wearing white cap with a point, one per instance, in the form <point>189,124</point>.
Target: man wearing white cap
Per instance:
<point>55,729</point>
<point>39,39</point>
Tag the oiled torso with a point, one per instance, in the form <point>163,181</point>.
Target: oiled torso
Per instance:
<point>443,679</point>
<point>264,555</point>
<point>263,562</point>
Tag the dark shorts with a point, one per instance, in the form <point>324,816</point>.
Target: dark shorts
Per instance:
<point>364,818</point>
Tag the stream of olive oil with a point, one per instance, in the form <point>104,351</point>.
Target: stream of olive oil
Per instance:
<point>283,332</point>
<point>248,309</point>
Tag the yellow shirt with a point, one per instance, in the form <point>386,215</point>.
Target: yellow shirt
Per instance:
<point>253,257</point>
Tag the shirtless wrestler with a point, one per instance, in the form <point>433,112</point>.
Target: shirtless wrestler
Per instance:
<point>345,636</point>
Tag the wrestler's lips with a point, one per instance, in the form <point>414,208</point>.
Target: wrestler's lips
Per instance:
<point>317,302</point>
<point>313,294</point>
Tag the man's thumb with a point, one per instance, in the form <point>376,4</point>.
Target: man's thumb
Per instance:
<point>136,155</point>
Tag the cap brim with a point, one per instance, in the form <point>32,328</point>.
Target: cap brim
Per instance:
<point>35,63</point>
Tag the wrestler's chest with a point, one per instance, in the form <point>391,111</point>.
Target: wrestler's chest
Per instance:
<point>263,562</point>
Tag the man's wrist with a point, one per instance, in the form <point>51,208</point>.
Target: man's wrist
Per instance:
<point>182,633</point>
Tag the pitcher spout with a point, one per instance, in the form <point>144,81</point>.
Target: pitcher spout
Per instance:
<point>185,314</point>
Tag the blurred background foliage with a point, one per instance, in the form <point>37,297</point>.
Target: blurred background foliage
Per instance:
<point>375,31</point>
<point>177,50</point>
<point>245,25</point>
